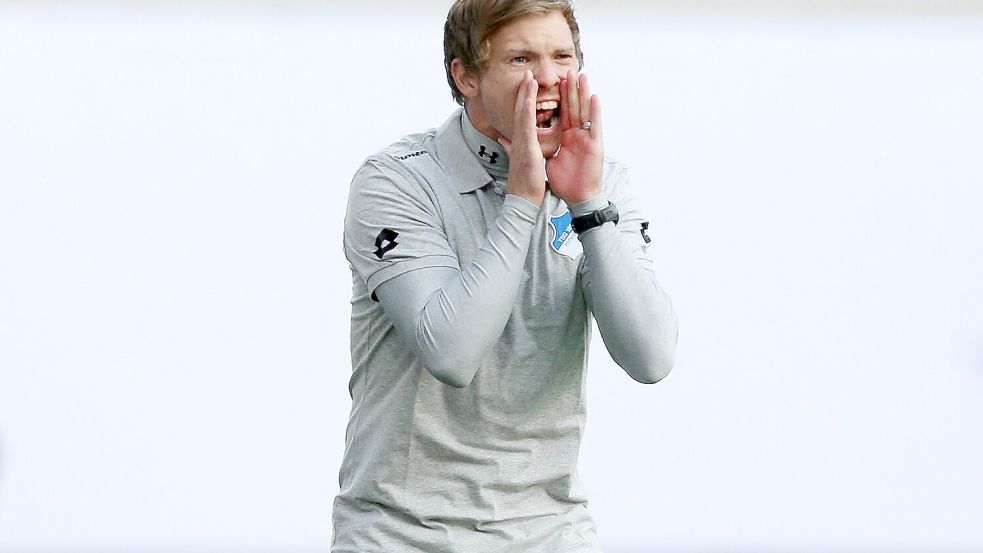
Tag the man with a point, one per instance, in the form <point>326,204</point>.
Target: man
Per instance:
<point>479,251</point>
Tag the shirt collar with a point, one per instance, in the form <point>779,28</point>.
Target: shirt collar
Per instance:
<point>489,152</point>
<point>454,153</point>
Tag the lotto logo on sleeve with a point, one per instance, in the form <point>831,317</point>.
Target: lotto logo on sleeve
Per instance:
<point>385,241</point>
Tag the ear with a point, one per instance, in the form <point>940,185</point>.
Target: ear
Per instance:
<point>466,82</point>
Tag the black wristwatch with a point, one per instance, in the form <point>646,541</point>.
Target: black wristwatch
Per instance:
<point>595,218</point>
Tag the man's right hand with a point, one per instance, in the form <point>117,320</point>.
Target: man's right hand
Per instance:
<point>527,167</point>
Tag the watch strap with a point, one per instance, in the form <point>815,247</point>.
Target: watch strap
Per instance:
<point>595,218</point>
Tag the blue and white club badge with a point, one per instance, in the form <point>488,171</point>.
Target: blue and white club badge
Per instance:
<point>564,241</point>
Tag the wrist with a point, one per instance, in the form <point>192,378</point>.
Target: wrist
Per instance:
<point>580,196</point>
<point>522,204</point>
<point>531,199</point>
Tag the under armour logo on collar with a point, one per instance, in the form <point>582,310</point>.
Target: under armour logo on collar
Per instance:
<point>491,157</point>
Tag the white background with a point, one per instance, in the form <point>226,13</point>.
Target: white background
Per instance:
<point>174,298</point>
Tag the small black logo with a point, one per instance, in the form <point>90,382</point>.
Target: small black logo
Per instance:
<point>491,157</point>
<point>645,227</point>
<point>387,237</point>
<point>412,154</point>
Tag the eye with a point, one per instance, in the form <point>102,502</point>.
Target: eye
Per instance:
<point>519,59</point>
<point>564,57</point>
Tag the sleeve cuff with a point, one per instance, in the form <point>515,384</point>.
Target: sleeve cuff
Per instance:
<point>593,204</point>
<point>526,208</point>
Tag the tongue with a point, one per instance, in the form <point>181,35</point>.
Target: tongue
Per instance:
<point>543,117</point>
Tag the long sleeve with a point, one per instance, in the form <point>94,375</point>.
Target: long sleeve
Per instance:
<point>452,318</point>
<point>633,313</point>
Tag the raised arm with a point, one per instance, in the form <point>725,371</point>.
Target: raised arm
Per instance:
<point>633,313</point>
<point>450,316</point>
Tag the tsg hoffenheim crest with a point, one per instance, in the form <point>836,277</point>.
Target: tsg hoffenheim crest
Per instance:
<point>564,242</point>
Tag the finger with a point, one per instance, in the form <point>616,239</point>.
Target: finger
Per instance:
<point>573,100</point>
<point>564,104</point>
<point>526,109</point>
<point>596,127</point>
<point>507,144</point>
<point>520,100</point>
<point>518,117</point>
<point>585,105</point>
<point>531,93</point>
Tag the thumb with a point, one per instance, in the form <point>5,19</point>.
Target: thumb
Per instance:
<point>507,144</point>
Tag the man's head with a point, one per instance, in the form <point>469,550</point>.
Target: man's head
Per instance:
<point>488,46</point>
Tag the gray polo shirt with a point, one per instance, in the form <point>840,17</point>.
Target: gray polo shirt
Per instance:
<point>490,467</point>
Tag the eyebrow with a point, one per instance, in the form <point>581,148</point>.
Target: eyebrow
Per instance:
<point>526,50</point>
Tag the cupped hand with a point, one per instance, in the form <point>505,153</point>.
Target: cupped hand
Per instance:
<point>527,170</point>
<point>575,171</point>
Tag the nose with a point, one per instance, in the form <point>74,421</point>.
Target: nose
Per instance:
<point>548,74</point>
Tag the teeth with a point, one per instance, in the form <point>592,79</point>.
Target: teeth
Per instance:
<point>552,104</point>
<point>551,123</point>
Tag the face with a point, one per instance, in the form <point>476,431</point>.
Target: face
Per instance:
<point>542,44</point>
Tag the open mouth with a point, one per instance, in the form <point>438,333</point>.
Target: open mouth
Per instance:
<point>547,115</point>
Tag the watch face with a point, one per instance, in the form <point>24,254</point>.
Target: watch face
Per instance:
<point>611,213</point>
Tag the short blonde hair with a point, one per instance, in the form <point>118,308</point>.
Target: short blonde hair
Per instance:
<point>471,24</point>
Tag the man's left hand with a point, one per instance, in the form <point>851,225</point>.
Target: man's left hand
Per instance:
<point>574,173</point>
